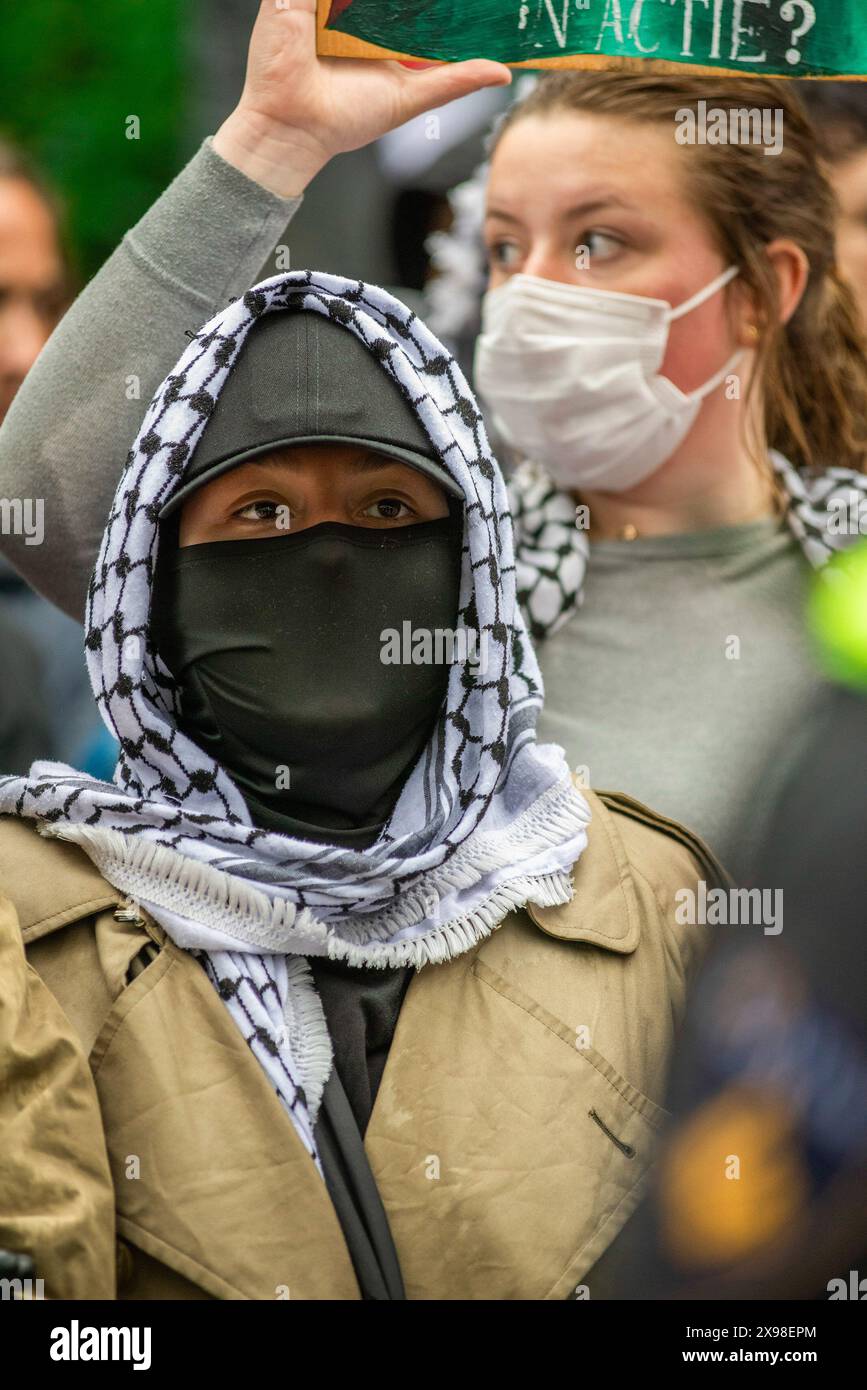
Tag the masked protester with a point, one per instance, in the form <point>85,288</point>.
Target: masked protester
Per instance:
<point>351,958</point>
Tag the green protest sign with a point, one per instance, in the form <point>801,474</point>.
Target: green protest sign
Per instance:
<point>787,38</point>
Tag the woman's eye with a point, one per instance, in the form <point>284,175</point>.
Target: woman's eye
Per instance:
<point>504,254</point>
<point>388,509</point>
<point>601,245</point>
<point>262,511</point>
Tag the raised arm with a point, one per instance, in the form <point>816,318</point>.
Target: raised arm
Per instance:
<point>66,435</point>
<point>65,438</point>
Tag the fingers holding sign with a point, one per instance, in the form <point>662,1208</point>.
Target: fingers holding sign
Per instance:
<point>298,109</point>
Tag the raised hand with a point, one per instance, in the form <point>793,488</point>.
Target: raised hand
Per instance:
<point>297,109</point>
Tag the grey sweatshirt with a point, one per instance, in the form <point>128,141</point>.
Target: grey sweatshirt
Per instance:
<point>65,438</point>
<point>686,677</point>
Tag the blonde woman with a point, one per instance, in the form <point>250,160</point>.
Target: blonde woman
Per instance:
<point>667,339</point>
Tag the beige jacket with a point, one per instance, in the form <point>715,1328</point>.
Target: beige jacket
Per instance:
<point>143,1153</point>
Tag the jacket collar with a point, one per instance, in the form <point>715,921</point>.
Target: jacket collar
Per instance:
<point>76,888</point>
<point>602,875</point>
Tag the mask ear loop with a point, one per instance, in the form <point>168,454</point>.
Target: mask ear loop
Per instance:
<point>718,378</point>
<point>693,303</point>
<point>707,293</point>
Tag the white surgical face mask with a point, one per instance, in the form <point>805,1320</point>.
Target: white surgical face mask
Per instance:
<point>571,377</point>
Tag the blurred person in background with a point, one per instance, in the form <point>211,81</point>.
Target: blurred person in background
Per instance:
<point>839,112</point>
<point>760,1187</point>
<point>35,277</point>
<point>45,701</point>
<point>423,161</point>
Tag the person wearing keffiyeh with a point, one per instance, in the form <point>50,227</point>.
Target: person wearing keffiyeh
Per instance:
<point>300,832</point>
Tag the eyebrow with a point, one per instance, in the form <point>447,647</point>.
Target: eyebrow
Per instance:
<point>370,461</point>
<point>593,204</point>
<point>367,462</point>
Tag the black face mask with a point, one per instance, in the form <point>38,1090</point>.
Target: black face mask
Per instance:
<point>276,647</point>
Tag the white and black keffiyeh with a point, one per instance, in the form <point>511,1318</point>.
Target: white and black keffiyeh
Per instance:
<point>487,821</point>
<point>824,514</point>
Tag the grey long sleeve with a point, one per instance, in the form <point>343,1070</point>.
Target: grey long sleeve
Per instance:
<point>66,436</point>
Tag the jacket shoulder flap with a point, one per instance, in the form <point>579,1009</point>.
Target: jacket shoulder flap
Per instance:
<point>49,881</point>
<point>627,842</point>
<point>661,864</point>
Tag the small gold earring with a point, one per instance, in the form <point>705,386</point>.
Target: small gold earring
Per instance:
<point>754,332</point>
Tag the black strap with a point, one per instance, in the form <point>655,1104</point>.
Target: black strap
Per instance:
<point>353,1191</point>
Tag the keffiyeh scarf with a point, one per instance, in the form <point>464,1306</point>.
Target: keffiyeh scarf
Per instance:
<point>824,514</point>
<point>487,821</point>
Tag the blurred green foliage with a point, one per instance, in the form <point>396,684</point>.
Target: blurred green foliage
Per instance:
<point>71,72</point>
